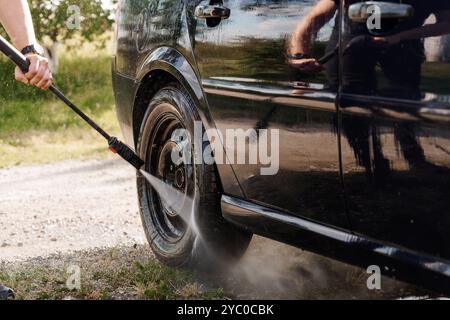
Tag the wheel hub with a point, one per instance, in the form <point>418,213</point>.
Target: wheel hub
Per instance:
<point>173,175</point>
<point>179,178</point>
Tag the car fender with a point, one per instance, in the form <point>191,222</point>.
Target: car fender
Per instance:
<point>171,61</point>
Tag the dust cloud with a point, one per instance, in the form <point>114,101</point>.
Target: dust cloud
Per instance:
<point>273,270</point>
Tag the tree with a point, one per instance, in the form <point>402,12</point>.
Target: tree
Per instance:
<point>56,21</point>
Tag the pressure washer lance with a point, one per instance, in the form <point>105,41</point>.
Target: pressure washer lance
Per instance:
<point>115,145</point>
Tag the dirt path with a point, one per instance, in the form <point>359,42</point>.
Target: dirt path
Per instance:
<point>70,205</point>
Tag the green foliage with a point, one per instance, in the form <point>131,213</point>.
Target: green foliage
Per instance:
<point>254,55</point>
<point>259,53</point>
<point>22,108</point>
<point>51,16</point>
<point>50,19</point>
<point>35,127</point>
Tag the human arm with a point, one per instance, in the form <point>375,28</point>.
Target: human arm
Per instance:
<point>306,30</point>
<point>441,27</point>
<point>16,18</point>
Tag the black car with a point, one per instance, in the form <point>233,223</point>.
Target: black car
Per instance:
<point>357,96</point>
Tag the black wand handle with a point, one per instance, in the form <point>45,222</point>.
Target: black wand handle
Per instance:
<point>15,55</point>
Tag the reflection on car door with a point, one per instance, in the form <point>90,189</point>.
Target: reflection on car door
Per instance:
<point>251,82</point>
<point>395,127</point>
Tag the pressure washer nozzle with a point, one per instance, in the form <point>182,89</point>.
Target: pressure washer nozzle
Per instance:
<point>116,146</point>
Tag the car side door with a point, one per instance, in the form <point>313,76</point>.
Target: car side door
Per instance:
<point>252,82</point>
<point>395,124</point>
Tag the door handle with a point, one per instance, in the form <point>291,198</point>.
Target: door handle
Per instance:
<point>212,12</point>
<point>360,12</point>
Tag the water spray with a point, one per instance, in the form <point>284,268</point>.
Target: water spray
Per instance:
<point>115,145</point>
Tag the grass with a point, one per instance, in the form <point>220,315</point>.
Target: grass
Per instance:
<point>134,273</point>
<point>35,127</point>
<point>117,273</point>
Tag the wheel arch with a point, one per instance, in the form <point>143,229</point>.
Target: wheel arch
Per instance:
<point>162,66</point>
<point>165,65</point>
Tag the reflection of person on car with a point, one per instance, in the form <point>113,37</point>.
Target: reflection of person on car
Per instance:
<point>363,55</point>
<point>400,56</point>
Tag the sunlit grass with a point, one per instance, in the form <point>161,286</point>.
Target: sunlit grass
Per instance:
<point>116,273</point>
<point>46,146</point>
<point>35,127</point>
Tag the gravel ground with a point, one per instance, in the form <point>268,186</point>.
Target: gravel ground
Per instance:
<point>75,210</point>
<point>70,205</point>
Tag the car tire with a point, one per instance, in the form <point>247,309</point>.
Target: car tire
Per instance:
<point>208,236</point>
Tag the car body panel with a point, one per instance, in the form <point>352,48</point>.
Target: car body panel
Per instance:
<point>396,137</point>
<point>398,219</point>
<point>124,92</point>
<point>139,52</point>
<point>249,86</point>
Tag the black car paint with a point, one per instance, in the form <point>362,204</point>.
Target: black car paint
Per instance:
<point>247,81</point>
<point>404,208</point>
<point>138,58</point>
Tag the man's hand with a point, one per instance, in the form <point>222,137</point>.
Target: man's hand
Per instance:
<point>309,65</point>
<point>38,75</point>
<point>16,18</point>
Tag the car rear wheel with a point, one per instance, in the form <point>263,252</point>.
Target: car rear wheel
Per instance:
<point>175,238</point>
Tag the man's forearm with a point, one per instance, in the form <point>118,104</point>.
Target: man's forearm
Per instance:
<point>310,25</point>
<point>431,30</point>
<point>16,19</point>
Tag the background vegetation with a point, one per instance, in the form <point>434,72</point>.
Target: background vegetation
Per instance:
<point>35,127</point>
